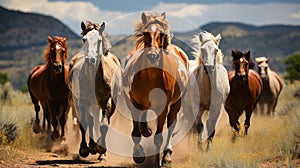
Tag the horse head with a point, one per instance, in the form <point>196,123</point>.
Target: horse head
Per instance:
<point>241,63</point>
<point>263,66</point>
<point>56,55</point>
<point>209,50</point>
<point>153,35</point>
<point>94,46</point>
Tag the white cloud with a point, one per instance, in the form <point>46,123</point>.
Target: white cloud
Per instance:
<point>296,15</point>
<point>181,9</point>
<point>181,16</point>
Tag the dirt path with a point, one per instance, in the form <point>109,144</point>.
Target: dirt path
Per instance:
<point>65,154</point>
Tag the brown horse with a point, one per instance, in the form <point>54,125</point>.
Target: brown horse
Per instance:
<point>272,86</point>
<point>245,89</point>
<point>48,84</point>
<point>154,78</point>
<point>90,82</point>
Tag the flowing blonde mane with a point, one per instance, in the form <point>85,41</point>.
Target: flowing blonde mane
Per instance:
<point>152,18</point>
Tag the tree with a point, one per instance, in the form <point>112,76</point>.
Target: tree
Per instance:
<point>292,67</point>
<point>3,78</point>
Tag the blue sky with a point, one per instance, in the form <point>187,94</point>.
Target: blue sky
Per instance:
<point>120,15</point>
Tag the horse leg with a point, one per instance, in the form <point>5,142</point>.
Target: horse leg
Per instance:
<point>171,122</point>
<point>247,120</point>
<point>233,121</point>
<point>92,143</point>
<point>103,128</point>
<point>214,115</point>
<point>36,126</point>
<point>54,121</point>
<point>83,150</point>
<point>138,151</point>
<point>63,119</point>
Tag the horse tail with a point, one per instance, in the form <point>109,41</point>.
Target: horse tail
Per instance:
<point>145,130</point>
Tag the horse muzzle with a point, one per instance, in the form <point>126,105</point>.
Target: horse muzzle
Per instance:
<point>57,67</point>
<point>153,57</point>
<point>209,68</point>
<point>90,61</point>
<point>241,76</point>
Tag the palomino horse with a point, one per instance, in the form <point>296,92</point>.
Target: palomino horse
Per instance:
<point>211,78</point>
<point>245,89</point>
<point>90,80</point>
<point>154,78</point>
<point>272,86</point>
<point>48,84</point>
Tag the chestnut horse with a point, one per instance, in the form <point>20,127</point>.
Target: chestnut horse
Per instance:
<point>48,84</point>
<point>211,79</point>
<point>245,89</point>
<point>154,78</point>
<point>90,82</point>
<point>272,86</point>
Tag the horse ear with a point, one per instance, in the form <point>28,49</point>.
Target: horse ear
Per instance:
<point>163,15</point>
<point>218,38</point>
<point>49,39</point>
<point>201,37</point>
<point>64,39</point>
<point>102,27</point>
<point>247,55</point>
<point>83,26</point>
<point>144,18</point>
<point>268,59</point>
<point>233,53</point>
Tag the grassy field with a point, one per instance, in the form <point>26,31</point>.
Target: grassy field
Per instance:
<point>271,142</point>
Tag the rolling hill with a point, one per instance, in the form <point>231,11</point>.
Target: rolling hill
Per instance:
<point>23,38</point>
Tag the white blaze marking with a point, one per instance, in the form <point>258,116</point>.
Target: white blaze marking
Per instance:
<point>241,59</point>
<point>57,47</point>
<point>153,28</point>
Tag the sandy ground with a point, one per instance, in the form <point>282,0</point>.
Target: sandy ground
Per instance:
<point>119,144</point>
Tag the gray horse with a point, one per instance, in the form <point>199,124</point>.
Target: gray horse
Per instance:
<point>210,78</point>
<point>90,81</point>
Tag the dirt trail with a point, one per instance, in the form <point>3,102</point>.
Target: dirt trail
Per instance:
<point>65,154</point>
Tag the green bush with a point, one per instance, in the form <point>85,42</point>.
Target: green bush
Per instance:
<point>3,78</point>
<point>292,68</point>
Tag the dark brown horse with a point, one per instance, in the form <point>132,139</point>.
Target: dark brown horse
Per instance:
<point>154,79</point>
<point>48,84</point>
<point>90,80</point>
<point>245,89</point>
<point>272,86</point>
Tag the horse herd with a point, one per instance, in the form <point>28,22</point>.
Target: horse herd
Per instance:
<point>156,75</point>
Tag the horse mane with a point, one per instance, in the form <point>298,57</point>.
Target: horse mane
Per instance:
<point>139,27</point>
<point>105,41</point>
<point>62,42</point>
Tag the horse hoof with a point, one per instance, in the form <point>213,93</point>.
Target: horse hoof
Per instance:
<point>55,135</point>
<point>84,152</point>
<point>167,160</point>
<point>139,159</point>
<point>93,148</point>
<point>139,155</point>
<point>101,150</point>
<point>36,128</point>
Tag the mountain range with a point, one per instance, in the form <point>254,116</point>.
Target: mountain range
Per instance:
<point>23,38</point>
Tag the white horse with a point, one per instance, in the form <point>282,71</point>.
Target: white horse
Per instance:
<point>90,82</point>
<point>210,78</point>
<point>272,86</point>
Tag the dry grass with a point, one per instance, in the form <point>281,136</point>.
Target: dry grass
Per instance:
<point>271,142</point>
